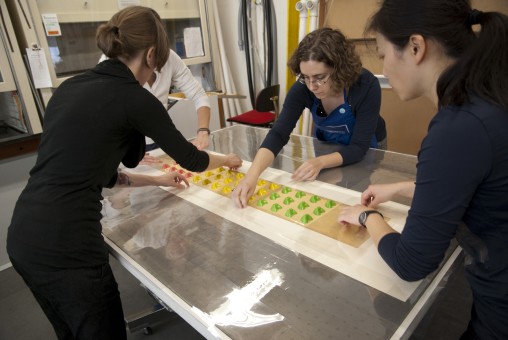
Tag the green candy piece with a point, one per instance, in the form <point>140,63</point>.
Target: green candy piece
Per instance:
<point>303,205</point>
<point>262,202</point>
<point>286,190</point>
<point>288,200</point>
<point>276,207</point>
<point>315,199</point>
<point>330,204</point>
<point>306,219</point>
<point>300,194</point>
<point>274,196</point>
<point>291,213</point>
<point>318,211</point>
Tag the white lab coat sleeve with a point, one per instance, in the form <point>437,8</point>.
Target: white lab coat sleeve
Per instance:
<point>183,79</point>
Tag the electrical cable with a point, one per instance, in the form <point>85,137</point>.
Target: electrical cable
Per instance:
<point>269,32</point>
<point>273,23</point>
<point>248,46</point>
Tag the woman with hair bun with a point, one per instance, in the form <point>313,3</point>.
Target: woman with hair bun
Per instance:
<point>430,49</point>
<point>93,122</point>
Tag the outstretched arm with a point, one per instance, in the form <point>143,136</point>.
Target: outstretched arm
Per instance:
<point>202,137</point>
<point>379,193</point>
<point>172,179</point>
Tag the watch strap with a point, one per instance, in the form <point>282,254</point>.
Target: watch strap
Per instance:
<point>362,219</point>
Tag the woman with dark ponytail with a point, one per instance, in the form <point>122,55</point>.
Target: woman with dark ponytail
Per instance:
<point>430,49</point>
<point>93,122</point>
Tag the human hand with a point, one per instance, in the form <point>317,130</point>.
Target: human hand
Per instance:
<point>378,193</point>
<point>233,161</point>
<point>350,214</point>
<point>244,190</point>
<point>308,171</point>
<point>172,179</point>
<point>148,160</point>
<point>202,140</point>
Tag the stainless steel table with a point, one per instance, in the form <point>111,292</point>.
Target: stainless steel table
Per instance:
<point>206,268</point>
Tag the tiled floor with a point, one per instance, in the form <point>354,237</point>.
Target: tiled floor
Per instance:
<point>22,319</point>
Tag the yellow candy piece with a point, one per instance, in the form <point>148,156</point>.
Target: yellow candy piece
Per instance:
<point>274,186</point>
<point>261,182</point>
<point>262,192</point>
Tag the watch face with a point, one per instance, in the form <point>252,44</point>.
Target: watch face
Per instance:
<point>362,218</point>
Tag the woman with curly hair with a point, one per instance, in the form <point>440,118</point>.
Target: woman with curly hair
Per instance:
<point>344,100</point>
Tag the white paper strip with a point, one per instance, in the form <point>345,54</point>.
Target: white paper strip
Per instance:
<point>363,263</point>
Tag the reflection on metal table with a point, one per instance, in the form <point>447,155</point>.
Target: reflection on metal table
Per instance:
<point>229,281</point>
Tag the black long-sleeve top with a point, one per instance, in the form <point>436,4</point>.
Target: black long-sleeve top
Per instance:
<point>462,175</point>
<point>93,122</point>
<point>364,96</point>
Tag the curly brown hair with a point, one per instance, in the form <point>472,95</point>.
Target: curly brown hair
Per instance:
<point>331,47</point>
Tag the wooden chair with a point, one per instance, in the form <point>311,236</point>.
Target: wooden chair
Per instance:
<point>265,111</point>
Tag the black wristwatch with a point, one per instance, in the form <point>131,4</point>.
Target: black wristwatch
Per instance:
<point>363,216</point>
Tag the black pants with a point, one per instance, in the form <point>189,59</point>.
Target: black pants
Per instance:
<point>470,333</point>
<point>81,303</point>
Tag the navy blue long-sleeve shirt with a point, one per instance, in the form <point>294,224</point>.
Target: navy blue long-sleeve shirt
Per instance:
<point>462,175</point>
<point>364,96</point>
<point>93,122</point>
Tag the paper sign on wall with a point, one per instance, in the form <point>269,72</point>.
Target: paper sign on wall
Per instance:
<point>193,42</point>
<point>51,25</point>
<point>39,68</point>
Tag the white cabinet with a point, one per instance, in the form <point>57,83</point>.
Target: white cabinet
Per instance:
<point>75,50</point>
<point>19,116</point>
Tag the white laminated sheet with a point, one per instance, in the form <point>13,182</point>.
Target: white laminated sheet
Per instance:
<point>363,263</point>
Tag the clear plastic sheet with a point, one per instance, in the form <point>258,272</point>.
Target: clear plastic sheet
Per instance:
<point>228,280</point>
